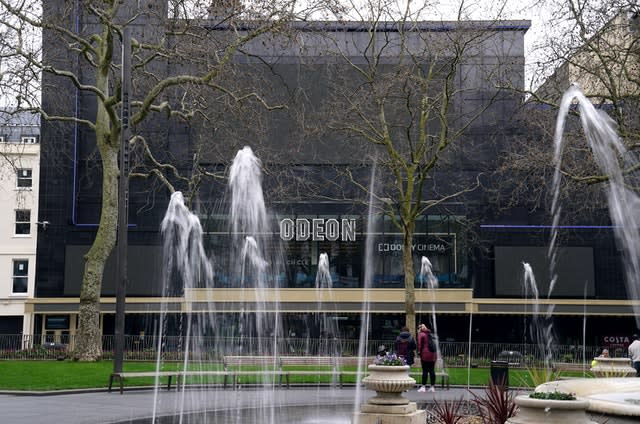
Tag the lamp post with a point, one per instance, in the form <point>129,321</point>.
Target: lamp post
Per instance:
<point>123,203</point>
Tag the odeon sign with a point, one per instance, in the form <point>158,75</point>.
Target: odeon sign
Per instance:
<point>318,229</point>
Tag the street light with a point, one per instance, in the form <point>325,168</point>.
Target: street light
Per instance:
<point>123,203</point>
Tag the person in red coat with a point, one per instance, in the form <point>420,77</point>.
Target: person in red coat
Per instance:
<point>427,358</point>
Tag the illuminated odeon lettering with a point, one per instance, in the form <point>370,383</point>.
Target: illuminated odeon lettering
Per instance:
<point>318,229</point>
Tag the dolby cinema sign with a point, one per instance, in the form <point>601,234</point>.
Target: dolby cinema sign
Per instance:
<point>318,229</point>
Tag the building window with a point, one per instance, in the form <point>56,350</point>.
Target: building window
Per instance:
<point>2,139</point>
<point>23,221</point>
<point>24,178</point>
<point>29,139</point>
<point>20,275</point>
<point>57,322</point>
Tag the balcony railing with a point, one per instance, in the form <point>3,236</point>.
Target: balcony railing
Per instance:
<point>145,348</point>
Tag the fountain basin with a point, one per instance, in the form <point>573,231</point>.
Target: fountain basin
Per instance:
<point>292,414</point>
<point>613,367</point>
<point>615,396</point>
<point>548,411</point>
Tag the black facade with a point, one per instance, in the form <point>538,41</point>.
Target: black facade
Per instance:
<point>305,158</point>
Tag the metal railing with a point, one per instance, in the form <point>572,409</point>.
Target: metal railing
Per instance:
<point>145,348</point>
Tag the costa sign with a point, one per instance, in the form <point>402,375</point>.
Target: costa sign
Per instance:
<point>318,229</point>
<point>623,340</point>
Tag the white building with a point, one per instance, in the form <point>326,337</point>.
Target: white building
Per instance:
<point>19,226</point>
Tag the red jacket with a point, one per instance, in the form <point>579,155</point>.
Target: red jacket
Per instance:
<point>423,349</point>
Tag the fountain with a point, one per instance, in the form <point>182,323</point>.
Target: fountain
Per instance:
<point>540,328</point>
<point>426,276</point>
<point>608,150</point>
<point>615,398</point>
<point>326,321</point>
<point>188,270</point>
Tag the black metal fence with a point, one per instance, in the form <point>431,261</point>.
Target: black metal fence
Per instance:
<point>145,348</point>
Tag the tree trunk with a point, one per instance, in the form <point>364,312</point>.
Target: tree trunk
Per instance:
<point>409,282</point>
<point>89,340</point>
<point>89,337</point>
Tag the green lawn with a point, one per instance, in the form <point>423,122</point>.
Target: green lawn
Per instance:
<point>58,375</point>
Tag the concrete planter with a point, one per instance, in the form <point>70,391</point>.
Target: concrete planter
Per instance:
<point>547,411</point>
<point>389,382</point>
<point>389,406</point>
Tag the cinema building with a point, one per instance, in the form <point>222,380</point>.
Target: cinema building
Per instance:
<point>476,252</point>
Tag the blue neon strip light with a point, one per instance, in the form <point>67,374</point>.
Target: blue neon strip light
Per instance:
<point>562,227</point>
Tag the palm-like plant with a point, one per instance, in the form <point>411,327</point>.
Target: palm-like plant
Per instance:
<point>538,375</point>
<point>448,411</point>
<point>496,405</point>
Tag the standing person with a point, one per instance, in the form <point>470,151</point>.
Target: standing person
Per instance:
<point>634,353</point>
<point>427,358</point>
<point>406,345</point>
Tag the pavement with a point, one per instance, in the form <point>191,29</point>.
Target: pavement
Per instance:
<point>317,404</point>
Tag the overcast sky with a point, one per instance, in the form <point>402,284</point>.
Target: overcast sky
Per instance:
<point>536,11</point>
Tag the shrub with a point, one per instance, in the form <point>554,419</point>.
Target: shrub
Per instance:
<point>553,395</point>
<point>390,359</point>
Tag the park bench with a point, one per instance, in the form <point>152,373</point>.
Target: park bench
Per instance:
<point>170,375</point>
<point>278,368</point>
<point>235,367</point>
<point>281,367</point>
<point>335,363</point>
<point>121,376</point>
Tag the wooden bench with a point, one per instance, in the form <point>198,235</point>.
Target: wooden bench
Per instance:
<point>236,367</point>
<point>353,360</point>
<point>170,375</point>
<point>281,367</point>
<point>269,366</point>
<point>336,364</point>
<point>120,376</point>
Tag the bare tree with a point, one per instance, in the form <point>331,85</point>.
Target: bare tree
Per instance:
<point>180,49</point>
<point>595,44</point>
<point>407,94</point>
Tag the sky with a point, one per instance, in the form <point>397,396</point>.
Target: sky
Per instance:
<point>537,12</point>
<point>543,30</point>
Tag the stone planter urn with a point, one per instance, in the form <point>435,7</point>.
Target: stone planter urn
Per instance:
<point>389,381</point>
<point>549,411</point>
<point>388,406</point>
